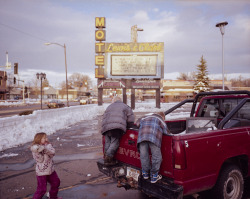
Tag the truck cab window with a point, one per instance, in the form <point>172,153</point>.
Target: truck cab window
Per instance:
<point>244,112</point>
<point>227,105</point>
<point>210,108</point>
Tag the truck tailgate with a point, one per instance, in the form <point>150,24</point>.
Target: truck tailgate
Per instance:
<point>127,151</point>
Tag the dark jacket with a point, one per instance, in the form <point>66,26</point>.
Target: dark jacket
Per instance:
<point>116,116</point>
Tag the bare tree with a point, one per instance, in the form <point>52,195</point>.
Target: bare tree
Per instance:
<point>183,76</point>
<point>35,84</point>
<point>240,82</point>
<point>46,83</point>
<point>192,75</point>
<point>62,85</point>
<point>78,80</point>
<point>187,76</point>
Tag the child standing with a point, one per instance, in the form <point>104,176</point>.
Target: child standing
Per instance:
<point>152,127</point>
<point>43,153</point>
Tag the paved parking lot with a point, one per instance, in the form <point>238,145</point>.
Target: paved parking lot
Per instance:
<point>77,149</point>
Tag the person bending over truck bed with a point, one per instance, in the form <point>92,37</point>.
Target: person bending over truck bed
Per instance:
<point>114,124</point>
<point>150,136</point>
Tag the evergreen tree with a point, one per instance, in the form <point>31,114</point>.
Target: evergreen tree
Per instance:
<point>201,77</point>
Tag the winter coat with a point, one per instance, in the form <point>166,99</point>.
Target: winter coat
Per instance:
<point>116,116</point>
<point>151,129</point>
<point>43,155</point>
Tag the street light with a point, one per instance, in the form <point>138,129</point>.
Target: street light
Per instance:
<point>41,76</point>
<point>222,25</point>
<point>64,46</point>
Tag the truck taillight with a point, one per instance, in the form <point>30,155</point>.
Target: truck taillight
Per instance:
<point>179,155</point>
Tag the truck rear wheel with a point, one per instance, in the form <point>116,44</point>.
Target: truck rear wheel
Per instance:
<point>230,184</point>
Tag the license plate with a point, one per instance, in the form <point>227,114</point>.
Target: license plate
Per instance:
<point>134,173</point>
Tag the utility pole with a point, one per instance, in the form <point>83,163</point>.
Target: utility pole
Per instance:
<point>41,76</point>
<point>23,87</point>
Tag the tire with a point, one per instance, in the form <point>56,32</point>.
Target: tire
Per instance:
<point>230,184</point>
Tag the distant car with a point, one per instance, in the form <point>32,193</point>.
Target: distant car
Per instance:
<point>16,98</point>
<point>93,100</point>
<point>77,99</point>
<point>84,100</point>
<point>55,104</point>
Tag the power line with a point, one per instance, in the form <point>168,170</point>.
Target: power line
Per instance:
<point>23,32</point>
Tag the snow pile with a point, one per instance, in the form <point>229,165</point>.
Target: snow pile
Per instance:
<point>18,102</point>
<point>18,130</point>
<point>8,155</point>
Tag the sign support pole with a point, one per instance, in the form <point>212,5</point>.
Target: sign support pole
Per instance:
<point>124,95</point>
<point>133,98</point>
<point>100,93</point>
<point>158,98</point>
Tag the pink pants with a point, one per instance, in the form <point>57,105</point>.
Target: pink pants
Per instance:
<point>54,182</point>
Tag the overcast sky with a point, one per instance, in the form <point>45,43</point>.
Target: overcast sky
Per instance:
<point>187,28</point>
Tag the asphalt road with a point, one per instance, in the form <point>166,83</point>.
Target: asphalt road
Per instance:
<point>78,147</point>
<point>8,111</point>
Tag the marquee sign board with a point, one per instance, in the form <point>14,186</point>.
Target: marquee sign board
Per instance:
<point>134,47</point>
<point>134,60</point>
<point>141,64</point>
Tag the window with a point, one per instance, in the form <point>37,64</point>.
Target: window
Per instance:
<point>241,118</point>
<point>244,112</point>
<point>210,108</point>
<point>227,105</point>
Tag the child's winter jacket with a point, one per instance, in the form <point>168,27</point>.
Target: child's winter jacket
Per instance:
<point>43,155</point>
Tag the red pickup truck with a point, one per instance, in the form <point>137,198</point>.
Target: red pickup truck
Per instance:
<point>209,152</point>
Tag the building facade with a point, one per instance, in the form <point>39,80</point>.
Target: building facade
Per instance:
<point>3,85</point>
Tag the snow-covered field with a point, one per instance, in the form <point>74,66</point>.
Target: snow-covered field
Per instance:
<point>17,130</point>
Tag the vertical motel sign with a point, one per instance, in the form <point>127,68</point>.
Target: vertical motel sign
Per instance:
<point>100,36</point>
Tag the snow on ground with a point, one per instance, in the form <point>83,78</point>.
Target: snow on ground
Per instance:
<point>18,102</point>
<point>17,130</point>
<point>8,155</point>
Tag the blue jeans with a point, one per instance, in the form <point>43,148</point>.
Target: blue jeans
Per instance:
<point>145,160</point>
<point>111,145</point>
